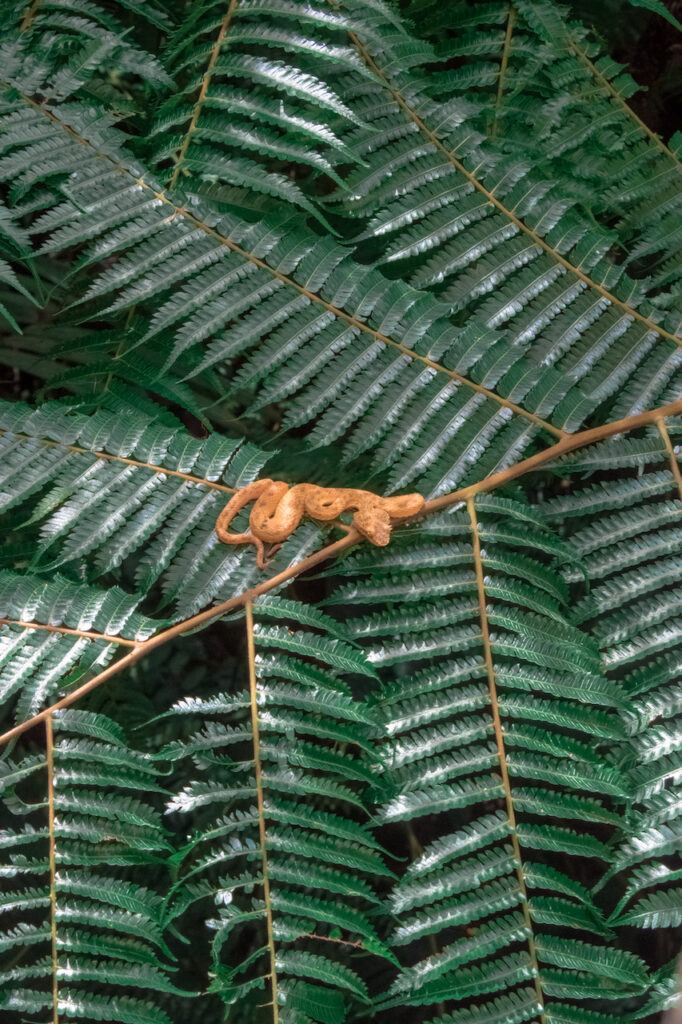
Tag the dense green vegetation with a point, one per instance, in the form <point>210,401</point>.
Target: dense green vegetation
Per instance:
<point>401,247</point>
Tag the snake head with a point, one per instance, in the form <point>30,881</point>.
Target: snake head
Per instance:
<point>374,523</point>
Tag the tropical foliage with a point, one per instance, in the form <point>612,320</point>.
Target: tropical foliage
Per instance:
<point>415,246</point>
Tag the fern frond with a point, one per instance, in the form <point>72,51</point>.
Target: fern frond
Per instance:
<point>135,492</point>
<point>499,240</point>
<point>631,550</point>
<point>79,937</point>
<point>277,835</point>
<point>78,44</point>
<point>256,101</point>
<point>54,633</point>
<point>499,707</point>
<point>105,517</point>
<point>318,329</point>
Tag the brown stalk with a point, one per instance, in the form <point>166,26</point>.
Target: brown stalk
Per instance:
<point>568,444</point>
<point>49,755</point>
<point>615,95</point>
<point>87,634</point>
<point>674,462</point>
<point>501,750</point>
<point>29,15</point>
<point>504,64</point>
<point>200,619</point>
<point>258,778</point>
<point>200,481</point>
<point>563,447</point>
<point>205,83</point>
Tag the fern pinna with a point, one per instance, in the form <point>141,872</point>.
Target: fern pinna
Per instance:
<point>484,709</point>
<point>628,535</point>
<point>266,857</point>
<point>83,853</point>
<point>379,248</point>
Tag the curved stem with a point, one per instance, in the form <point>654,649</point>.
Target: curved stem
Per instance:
<point>569,444</point>
<point>674,462</point>
<point>187,625</point>
<point>563,447</point>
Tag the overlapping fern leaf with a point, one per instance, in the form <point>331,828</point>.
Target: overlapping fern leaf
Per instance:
<point>498,722</point>
<point>253,109</point>
<point>81,44</point>
<point>548,91</point>
<point>54,633</point>
<point>281,861</point>
<point>103,513</point>
<point>501,238</point>
<point>628,533</point>
<point>427,249</point>
<point>84,850</point>
<point>582,117</point>
<point>14,247</point>
<point>355,356</point>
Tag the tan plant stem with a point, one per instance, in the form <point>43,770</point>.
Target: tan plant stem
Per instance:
<point>674,461</point>
<point>501,751</point>
<point>86,634</point>
<point>200,619</point>
<point>49,755</point>
<point>504,65</point>
<point>495,202</point>
<point>29,15</point>
<point>569,444</point>
<point>258,771</point>
<point>205,83</point>
<point>563,447</point>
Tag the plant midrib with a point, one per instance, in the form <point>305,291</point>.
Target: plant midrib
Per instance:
<point>537,239</point>
<point>336,311</point>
